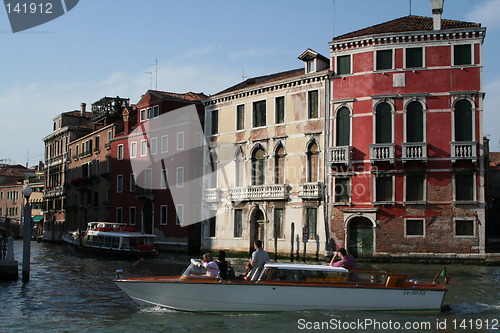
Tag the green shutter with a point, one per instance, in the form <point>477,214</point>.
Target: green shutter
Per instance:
<point>383,123</point>
<point>463,120</point>
<point>414,122</point>
<point>415,187</point>
<point>343,130</point>
<point>344,65</point>
<point>464,185</point>
<point>384,59</point>
<point>414,58</point>
<point>313,104</point>
<point>462,54</point>
<point>384,188</point>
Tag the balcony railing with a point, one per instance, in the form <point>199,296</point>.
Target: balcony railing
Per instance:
<point>415,151</point>
<point>382,152</point>
<point>53,191</point>
<point>340,155</point>
<point>212,195</point>
<point>311,190</point>
<point>259,192</point>
<point>463,150</point>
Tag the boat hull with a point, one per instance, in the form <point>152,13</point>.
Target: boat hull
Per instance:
<point>176,294</point>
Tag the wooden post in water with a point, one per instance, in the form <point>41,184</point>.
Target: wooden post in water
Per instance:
<point>26,234</point>
<point>292,240</point>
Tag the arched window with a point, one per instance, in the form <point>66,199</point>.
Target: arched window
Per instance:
<point>239,172</point>
<point>463,120</point>
<point>279,165</point>
<point>258,166</point>
<point>343,127</point>
<point>414,122</point>
<point>383,123</point>
<point>312,162</point>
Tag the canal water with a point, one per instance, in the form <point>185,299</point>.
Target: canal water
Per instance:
<point>70,292</point>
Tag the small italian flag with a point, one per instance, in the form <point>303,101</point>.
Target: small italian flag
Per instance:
<point>444,273</point>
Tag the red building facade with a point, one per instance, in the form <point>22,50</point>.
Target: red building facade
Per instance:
<point>407,154</point>
<point>141,178</point>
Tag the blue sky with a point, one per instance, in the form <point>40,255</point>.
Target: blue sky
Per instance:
<point>105,48</point>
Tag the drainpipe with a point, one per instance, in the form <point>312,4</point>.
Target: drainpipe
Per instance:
<point>326,166</point>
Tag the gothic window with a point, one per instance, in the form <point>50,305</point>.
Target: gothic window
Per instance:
<point>279,165</point>
<point>312,162</point>
<point>383,123</point>
<point>343,127</point>
<point>414,122</point>
<point>258,166</point>
<point>463,120</point>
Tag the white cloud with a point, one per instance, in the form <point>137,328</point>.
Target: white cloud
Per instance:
<point>487,14</point>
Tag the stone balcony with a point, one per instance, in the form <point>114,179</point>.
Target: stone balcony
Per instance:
<point>259,192</point>
<point>382,152</point>
<point>340,155</point>
<point>51,192</point>
<point>311,190</point>
<point>414,151</point>
<point>212,195</point>
<point>464,150</point>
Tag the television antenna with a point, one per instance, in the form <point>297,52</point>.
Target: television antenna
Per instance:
<point>156,73</point>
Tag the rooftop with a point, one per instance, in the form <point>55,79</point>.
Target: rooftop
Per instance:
<point>189,96</point>
<point>406,24</point>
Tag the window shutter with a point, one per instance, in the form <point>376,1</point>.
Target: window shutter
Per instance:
<point>343,127</point>
<point>383,123</point>
<point>414,122</point>
<point>463,121</point>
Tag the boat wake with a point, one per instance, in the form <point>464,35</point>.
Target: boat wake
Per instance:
<point>473,308</point>
<point>155,309</point>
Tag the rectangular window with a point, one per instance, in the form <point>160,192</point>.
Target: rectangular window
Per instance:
<point>164,178</point>
<point>238,223</point>
<point>414,227</point>
<point>132,182</point>
<point>133,149</point>
<point>312,104</point>
<point>278,223</point>
<point>342,189</point>
<point>119,215</point>
<point>344,65</point>
<point>179,177</point>
<point>120,152</point>
<point>109,136</point>
<point>163,215</point>
<point>240,117</point>
<point>464,228</point>
<point>144,147</point>
<point>97,144</point>
<point>383,189</point>
<point>415,185</point>
<point>179,209</point>
<point>462,54</point>
<point>164,144</point>
<point>211,226</point>
<point>279,110</point>
<point>310,66</point>
<point>154,146</point>
<point>384,59</point>
<point>259,113</point>
<point>119,183</point>
<point>143,115</point>
<point>414,57</point>
<point>464,187</point>
<point>156,111</point>
<point>180,141</point>
<point>214,122</point>
<point>131,216</point>
<point>311,222</point>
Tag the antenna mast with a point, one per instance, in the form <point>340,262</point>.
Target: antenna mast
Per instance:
<point>410,7</point>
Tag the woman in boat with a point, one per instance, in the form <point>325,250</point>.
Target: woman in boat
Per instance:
<point>211,266</point>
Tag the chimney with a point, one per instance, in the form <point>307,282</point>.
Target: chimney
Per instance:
<point>437,11</point>
<point>82,109</point>
<point>125,115</point>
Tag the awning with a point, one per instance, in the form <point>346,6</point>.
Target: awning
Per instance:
<point>37,218</point>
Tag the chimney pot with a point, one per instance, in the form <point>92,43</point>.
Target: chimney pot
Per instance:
<point>437,11</point>
<point>83,107</point>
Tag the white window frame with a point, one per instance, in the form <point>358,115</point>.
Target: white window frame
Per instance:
<point>153,146</point>
<point>179,177</point>
<point>162,217</point>
<point>164,144</point>
<point>144,147</point>
<point>425,189</point>
<point>180,141</point>
<point>119,152</point>
<point>465,218</point>
<point>119,181</point>
<point>133,149</point>
<point>375,60</point>
<point>375,189</point>
<point>143,115</point>
<point>405,66</point>
<point>179,209</point>
<point>413,219</point>
<point>133,178</point>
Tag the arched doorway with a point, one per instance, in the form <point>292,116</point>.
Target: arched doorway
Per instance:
<point>257,223</point>
<point>147,217</point>
<point>360,237</point>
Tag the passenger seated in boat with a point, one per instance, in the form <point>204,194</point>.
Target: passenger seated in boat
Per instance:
<point>248,269</point>
<point>211,266</point>
<point>259,258</point>
<point>224,266</point>
<point>346,261</point>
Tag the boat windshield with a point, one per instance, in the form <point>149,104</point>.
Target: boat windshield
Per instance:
<point>194,270</point>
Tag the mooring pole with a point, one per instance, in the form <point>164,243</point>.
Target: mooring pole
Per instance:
<point>27,234</point>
